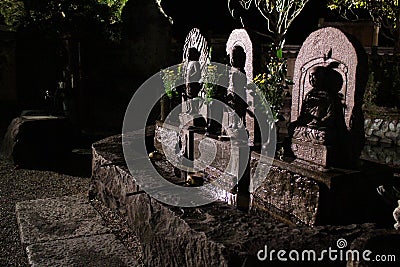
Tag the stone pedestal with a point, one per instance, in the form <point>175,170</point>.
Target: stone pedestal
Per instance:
<point>231,165</point>
<point>188,137</point>
<point>252,129</point>
<point>316,154</point>
<point>298,193</point>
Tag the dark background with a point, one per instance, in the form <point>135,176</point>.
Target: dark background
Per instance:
<point>110,72</point>
<point>213,15</point>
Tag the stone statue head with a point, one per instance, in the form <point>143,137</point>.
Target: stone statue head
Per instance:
<point>326,78</point>
<point>318,77</point>
<point>193,54</point>
<point>335,81</point>
<point>238,57</point>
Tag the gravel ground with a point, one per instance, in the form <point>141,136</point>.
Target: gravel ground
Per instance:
<point>23,184</point>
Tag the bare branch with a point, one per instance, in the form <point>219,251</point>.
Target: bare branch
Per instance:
<point>160,8</point>
<point>279,15</point>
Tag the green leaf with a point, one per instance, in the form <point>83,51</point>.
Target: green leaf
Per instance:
<point>279,53</point>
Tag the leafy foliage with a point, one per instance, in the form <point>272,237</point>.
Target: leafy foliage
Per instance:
<point>380,10</point>
<point>382,89</point>
<point>272,83</point>
<point>388,73</point>
<point>371,91</point>
<point>383,12</point>
<point>210,81</point>
<point>60,16</point>
<point>211,78</point>
<point>170,78</point>
<point>13,12</point>
<point>116,7</point>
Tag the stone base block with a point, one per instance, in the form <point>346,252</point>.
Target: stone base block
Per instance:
<point>317,154</point>
<point>334,197</point>
<point>191,120</point>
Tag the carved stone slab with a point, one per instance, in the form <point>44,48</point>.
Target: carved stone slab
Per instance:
<point>240,37</point>
<point>331,47</point>
<point>322,47</point>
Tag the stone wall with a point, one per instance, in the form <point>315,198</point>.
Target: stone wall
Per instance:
<point>382,130</point>
<point>382,135</point>
<point>383,153</point>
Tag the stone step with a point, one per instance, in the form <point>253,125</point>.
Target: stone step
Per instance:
<point>68,231</point>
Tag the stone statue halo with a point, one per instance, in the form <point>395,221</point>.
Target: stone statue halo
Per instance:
<point>195,39</point>
<point>240,37</point>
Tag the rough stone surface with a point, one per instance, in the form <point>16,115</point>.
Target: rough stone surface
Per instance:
<point>57,218</point>
<point>315,153</point>
<point>335,197</point>
<point>382,131</point>
<point>385,154</point>
<point>304,195</point>
<point>25,184</point>
<point>212,235</point>
<point>343,49</point>
<point>383,245</point>
<point>68,231</point>
<point>97,250</point>
<point>105,185</point>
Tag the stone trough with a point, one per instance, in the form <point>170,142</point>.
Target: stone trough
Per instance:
<point>303,195</point>
<point>216,234</point>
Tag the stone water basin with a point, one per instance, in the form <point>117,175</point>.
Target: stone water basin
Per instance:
<point>216,234</point>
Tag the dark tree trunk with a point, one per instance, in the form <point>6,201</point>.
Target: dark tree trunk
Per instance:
<point>396,50</point>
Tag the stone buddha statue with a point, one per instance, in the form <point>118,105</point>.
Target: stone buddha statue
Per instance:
<point>321,118</point>
<point>236,97</point>
<point>193,80</point>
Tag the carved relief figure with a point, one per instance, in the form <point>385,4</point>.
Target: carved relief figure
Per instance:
<point>321,117</point>
<point>193,75</point>
<point>236,98</point>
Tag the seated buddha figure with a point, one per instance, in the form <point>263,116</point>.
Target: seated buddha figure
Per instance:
<point>321,117</point>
